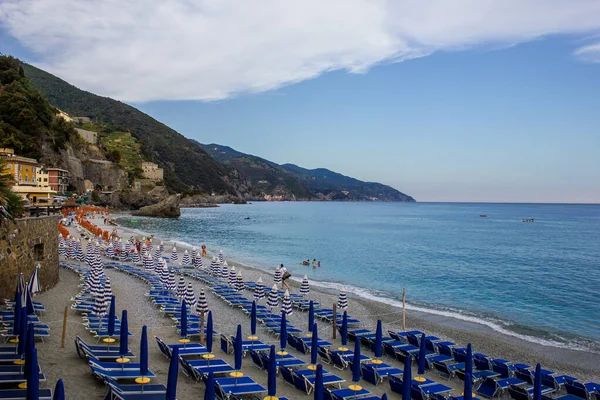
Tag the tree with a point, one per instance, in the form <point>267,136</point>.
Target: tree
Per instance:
<point>113,155</point>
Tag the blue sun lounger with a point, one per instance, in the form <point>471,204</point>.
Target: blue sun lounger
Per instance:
<point>342,394</point>
<point>134,391</point>
<point>491,387</point>
<point>21,394</point>
<point>189,349</point>
<point>102,374</point>
<point>17,378</point>
<point>98,352</point>
<point>376,373</point>
<point>236,390</point>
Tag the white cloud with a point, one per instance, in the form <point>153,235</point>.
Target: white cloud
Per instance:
<point>141,50</point>
<point>589,53</point>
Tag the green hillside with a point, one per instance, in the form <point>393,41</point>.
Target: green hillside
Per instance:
<point>187,168</point>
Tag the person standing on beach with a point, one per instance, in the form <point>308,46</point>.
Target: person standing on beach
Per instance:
<point>285,274</point>
<point>203,250</point>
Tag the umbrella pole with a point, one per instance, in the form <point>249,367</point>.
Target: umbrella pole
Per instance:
<point>404,309</point>
<point>201,326</point>
<point>334,320</point>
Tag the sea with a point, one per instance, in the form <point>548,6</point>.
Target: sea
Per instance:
<point>538,281</point>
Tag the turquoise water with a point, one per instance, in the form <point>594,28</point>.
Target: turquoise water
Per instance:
<point>535,280</point>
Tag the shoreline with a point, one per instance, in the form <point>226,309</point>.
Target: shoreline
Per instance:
<point>580,363</point>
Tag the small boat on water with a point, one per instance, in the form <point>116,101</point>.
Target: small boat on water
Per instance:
<point>483,215</point>
<point>527,220</point>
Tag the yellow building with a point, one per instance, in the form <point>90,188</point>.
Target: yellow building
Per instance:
<point>24,173</point>
<point>42,177</point>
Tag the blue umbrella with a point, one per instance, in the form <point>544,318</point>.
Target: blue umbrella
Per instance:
<point>209,333</point>
<point>283,332</point>
<point>111,317</point>
<point>344,329</point>
<point>422,350</point>
<point>59,391</point>
<point>124,335</point>
<point>272,373</point>
<point>209,391</point>
<point>311,315</point>
<point>537,383</point>
<point>384,397</point>
<point>33,377</point>
<point>314,345</point>
<point>253,319</point>
<point>378,339</point>
<point>356,361</point>
<point>468,388</point>
<point>469,360</point>
<point>144,352</point>
<point>237,353</point>
<point>17,314</point>
<point>28,301</point>
<point>22,345</point>
<point>184,324</point>
<point>172,377</point>
<point>319,383</point>
<point>406,379</point>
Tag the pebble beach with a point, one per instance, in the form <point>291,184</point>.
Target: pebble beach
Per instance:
<point>57,362</point>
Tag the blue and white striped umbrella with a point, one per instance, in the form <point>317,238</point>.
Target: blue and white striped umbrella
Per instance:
<point>70,253</point>
<point>239,284</point>
<point>232,276</point>
<point>110,250</point>
<point>158,253</point>
<point>202,304</point>
<point>89,252</point>
<point>61,239</point>
<point>215,268</point>
<point>174,256</point>
<point>172,283</point>
<point>225,271</point>
<point>259,290</point>
<point>194,253</point>
<point>164,276</point>
<point>161,246</point>
<point>107,288</point>
<point>221,258</point>
<point>135,257</point>
<point>62,250</point>
<point>97,246</point>
<point>190,296</point>
<point>342,300</point>
<point>181,288</point>
<point>185,260</point>
<point>148,262</point>
<point>198,261</point>
<point>99,305</point>
<point>286,305</point>
<point>273,299</point>
<point>277,276</point>
<point>34,282</point>
<point>150,246</point>
<point>304,286</point>
<point>99,264</point>
<point>127,248</point>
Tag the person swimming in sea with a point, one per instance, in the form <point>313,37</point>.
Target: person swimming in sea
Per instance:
<point>306,262</point>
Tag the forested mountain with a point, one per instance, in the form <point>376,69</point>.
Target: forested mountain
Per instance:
<point>292,181</point>
<point>187,168</point>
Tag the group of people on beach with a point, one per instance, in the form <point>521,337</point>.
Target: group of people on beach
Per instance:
<point>315,263</point>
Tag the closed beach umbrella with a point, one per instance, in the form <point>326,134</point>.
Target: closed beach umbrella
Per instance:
<point>161,247</point>
<point>144,352</point>
<point>406,379</point>
<point>202,304</point>
<point>311,315</point>
<point>221,258</point>
<point>198,261</point>
<point>384,397</point>
<point>253,319</point>
<point>468,387</point>
<point>283,332</point>
<point>304,286</point>
<point>314,344</point>
<point>194,253</point>
<point>240,285</point>
<point>22,334</point>
<point>259,290</point>
<point>287,303</point>
<point>124,335</point>
<point>135,257</point>
<point>190,296</point>
<point>537,383</point>
<point>356,361</point>
<point>469,360</point>
<point>17,313</point>
<point>158,253</point>
<point>107,288</point>
<point>238,351</point>
<point>344,332</point>
<point>232,277</point>
<point>209,332</point>
<point>378,339</point>
<point>272,373</point>
<point>209,391</point>
<point>181,288</point>
<point>28,302</point>
<point>422,354</point>
<point>273,299</point>
<point>318,395</point>
<point>111,317</point>
<point>277,276</point>
<point>184,323</point>
<point>342,300</point>
<point>174,256</point>
<point>172,284</point>
<point>59,391</point>
<point>171,393</point>
<point>34,282</point>
<point>33,377</point>
<point>185,260</point>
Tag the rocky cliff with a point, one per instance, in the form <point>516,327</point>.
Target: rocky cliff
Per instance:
<point>167,208</point>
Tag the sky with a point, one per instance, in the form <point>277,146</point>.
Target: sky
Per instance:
<point>453,100</point>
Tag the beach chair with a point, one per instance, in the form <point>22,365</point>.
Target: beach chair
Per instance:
<point>343,394</point>
<point>324,355</point>
<point>256,359</point>
<point>556,381</point>
<point>287,375</point>
<point>477,375</point>
<point>117,375</point>
<point>492,387</point>
<point>117,391</point>
<point>338,361</point>
<point>237,387</point>
<point>579,389</point>
<point>21,394</point>
<point>503,367</point>
<point>423,392</point>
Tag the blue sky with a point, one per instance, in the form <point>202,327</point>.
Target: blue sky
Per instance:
<point>499,122</point>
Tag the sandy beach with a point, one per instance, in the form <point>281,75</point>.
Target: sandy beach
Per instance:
<point>79,383</point>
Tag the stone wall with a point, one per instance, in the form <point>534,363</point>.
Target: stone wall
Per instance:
<point>24,243</point>
<point>88,136</point>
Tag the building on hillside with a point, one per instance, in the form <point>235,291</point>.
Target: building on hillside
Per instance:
<point>64,116</point>
<point>42,177</point>
<point>25,173</point>
<point>58,179</point>
<point>152,172</point>
<point>82,120</point>
<point>146,184</point>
